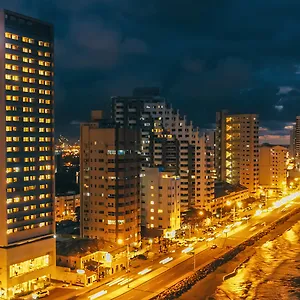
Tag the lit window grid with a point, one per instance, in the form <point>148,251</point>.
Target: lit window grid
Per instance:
<point>38,80</point>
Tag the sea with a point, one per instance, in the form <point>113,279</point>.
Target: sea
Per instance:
<point>272,273</point>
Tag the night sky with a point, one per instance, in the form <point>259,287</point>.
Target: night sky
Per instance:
<point>205,55</point>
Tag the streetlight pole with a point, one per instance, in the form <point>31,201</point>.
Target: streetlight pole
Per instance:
<point>127,251</point>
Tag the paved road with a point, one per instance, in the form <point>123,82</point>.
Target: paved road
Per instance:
<point>161,281</point>
<point>59,292</point>
<point>146,285</point>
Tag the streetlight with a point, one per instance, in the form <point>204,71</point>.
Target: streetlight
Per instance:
<point>121,242</point>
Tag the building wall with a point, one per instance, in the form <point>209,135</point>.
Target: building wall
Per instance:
<point>26,252</point>
<point>160,201</point>
<point>110,194</point>
<point>237,149</point>
<point>273,166</point>
<point>65,206</point>
<point>26,146</point>
<point>144,113</point>
<point>235,197</point>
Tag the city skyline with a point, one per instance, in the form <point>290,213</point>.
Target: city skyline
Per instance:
<point>153,197</point>
<point>206,64</point>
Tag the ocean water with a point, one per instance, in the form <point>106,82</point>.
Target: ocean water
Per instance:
<point>272,273</point>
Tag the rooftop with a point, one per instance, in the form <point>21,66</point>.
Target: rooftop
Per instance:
<point>224,188</point>
<point>80,247</point>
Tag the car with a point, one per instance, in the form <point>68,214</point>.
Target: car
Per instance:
<point>41,294</point>
<point>201,239</point>
<point>214,246</point>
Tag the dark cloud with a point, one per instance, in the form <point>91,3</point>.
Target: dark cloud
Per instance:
<point>205,55</point>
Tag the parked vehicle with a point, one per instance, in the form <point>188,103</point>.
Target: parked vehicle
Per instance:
<point>214,246</point>
<point>41,294</point>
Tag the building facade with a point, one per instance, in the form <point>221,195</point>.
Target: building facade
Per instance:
<point>273,166</point>
<point>150,113</point>
<point>292,147</point>
<point>110,182</point>
<point>65,206</point>
<point>27,244</point>
<point>237,149</point>
<point>297,138</point>
<point>160,203</point>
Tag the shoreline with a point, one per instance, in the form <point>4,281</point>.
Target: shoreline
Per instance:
<point>205,288</point>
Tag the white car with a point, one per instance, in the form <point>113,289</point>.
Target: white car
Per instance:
<point>41,294</point>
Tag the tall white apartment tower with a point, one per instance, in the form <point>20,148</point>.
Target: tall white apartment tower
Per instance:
<point>144,110</point>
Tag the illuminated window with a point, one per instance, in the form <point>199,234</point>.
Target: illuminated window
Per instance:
<point>40,53</point>
<point>8,97</point>
<point>47,73</point>
<point>15,68</point>
<point>29,159</point>
<point>48,101</point>
<point>152,202</point>
<point>32,90</point>
<point>41,101</point>
<point>25,89</point>
<point>31,70</point>
<point>46,44</point>
<point>47,54</point>
<point>15,57</point>
<point>8,66</point>
<point>41,91</point>
<point>15,78</point>
<point>8,76</point>
<point>41,81</point>
<point>47,64</point>
<point>8,87</point>
<point>25,69</point>
<point>26,50</point>
<point>8,56</point>
<point>41,43</point>
<point>41,72</point>
<point>15,98</point>
<point>31,80</point>
<point>41,63</point>
<point>25,59</point>
<point>47,92</point>
<point>41,120</point>
<point>8,46</point>
<point>8,35</point>
<point>9,108</point>
<point>29,266</point>
<point>15,88</point>
<point>48,121</point>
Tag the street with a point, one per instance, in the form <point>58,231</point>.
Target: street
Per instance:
<point>143,287</point>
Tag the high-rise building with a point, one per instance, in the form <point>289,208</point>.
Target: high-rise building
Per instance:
<point>273,166</point>
<point>160,203</point>
<point>152,115</point>
<point>292,148</point>
<point>237,149</point>
<point>110,182</point>
<point>27,241</point>
<point>297,137</point>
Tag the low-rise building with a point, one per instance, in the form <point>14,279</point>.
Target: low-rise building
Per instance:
<point>160,203</point>
<point>65,206</point>
<point>228,193</point>
<point>91,254</point>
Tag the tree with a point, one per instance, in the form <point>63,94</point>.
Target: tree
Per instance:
<point>195,216</point>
